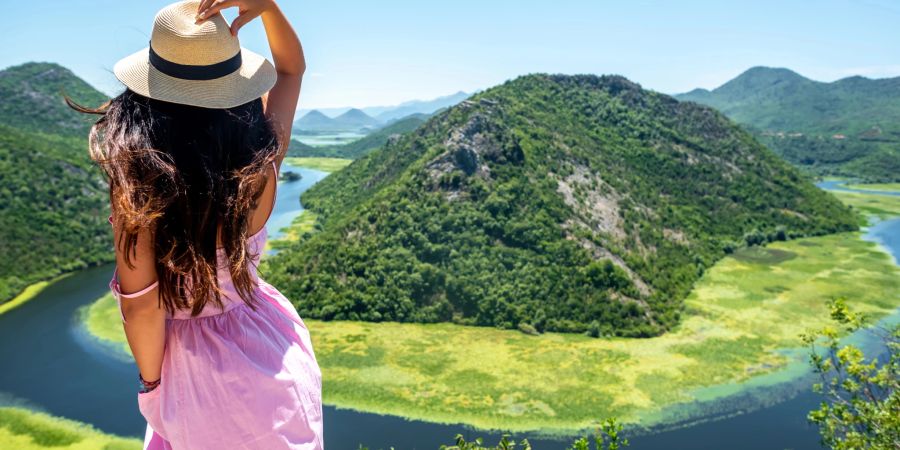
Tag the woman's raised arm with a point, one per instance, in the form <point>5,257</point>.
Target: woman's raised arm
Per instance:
<point>287,53</point>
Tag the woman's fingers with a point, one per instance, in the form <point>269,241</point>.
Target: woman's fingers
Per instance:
<point>215,7</point>
<point>203,5</point>
<point>240,21</point>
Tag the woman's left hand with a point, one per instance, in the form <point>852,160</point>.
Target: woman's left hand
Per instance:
<point>247,10</point>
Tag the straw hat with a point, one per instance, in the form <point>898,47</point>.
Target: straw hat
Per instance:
<point>195,64</point>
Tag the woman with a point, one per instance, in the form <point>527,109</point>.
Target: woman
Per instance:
<point>191,150</point>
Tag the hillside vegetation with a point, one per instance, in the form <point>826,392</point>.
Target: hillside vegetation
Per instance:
<point>53,201</point>
<point>563,203</point>
<point>850,127</point>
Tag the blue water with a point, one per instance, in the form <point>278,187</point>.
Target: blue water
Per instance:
<point>287,200</point>
<point>50,364</point>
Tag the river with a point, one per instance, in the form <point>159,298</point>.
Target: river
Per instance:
<point>50,364</point>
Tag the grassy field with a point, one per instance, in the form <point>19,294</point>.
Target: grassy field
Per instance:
<point>882,206</point>
<point>742,313</point>
<point>29,293</point>
<point>323,164</point>
<point>22,429</point>
<point>891,187</point>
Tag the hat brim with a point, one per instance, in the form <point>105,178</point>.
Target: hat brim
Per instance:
<point>255,77</point>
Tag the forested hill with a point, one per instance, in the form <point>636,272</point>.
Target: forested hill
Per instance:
<point>850,127</point>
<point>550,202</point>
<point>53,201</point>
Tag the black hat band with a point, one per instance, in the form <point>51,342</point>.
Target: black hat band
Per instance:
<point>195,73</point>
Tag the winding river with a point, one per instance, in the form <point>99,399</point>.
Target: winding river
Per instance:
<point>50,364</point>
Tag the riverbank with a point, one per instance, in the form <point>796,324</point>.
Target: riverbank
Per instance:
<point>302,224</point>
<point>319,163</point>
<point>740,320</point>
<point>23,429</point>
<point>29,293</point>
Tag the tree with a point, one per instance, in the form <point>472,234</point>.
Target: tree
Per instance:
<point>862,407</point>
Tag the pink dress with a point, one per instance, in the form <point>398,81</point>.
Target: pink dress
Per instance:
<point>235,378</point>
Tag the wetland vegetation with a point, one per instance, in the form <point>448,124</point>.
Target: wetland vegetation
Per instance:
<point>741,320</point>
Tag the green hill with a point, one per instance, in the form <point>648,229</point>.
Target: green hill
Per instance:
<point>53,201</point>
<point>850,127</point>
<point>360,147</point>
<point>566,203</point>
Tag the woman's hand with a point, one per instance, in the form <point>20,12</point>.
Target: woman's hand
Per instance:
<point>287,54</point>
<point>247,10</point>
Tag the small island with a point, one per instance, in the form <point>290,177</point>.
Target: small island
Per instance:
<point>289,176</point>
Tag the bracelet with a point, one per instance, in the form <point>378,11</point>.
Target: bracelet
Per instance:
<point>147,386</point>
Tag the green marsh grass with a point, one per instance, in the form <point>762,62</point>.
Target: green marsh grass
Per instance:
<point>22,429</point>
<point>881,206</point>
<point>893,187</point>
<point>743,311</point>
<point>739,334</point>
<point>741,315</point>
<point>319,163</point>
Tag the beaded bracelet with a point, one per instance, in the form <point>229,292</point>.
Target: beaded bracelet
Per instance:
<point>147,386</point>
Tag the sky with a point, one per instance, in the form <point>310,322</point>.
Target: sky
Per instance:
<point>367,53</point>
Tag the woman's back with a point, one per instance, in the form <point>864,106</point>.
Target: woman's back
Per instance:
<point>191,150</point>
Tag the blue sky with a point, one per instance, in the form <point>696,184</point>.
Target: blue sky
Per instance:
<point>366,53</point>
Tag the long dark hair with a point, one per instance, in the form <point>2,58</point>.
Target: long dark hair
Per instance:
<point>191,176</point>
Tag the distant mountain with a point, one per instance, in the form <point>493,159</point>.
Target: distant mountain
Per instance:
<point>314,121</point>
<point>850,127</point>
<point>353,120</point>
<point>364,145</point>
<point>53,201</point>
<point>356,119</point>
<point>387,114</point>
<point>565,203</point>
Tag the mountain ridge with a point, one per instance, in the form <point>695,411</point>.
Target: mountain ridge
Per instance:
<point>352,120</point>
<point>389,113</point>
<point>54,200</point>
<point>550,202</point>
<point>848,127</point>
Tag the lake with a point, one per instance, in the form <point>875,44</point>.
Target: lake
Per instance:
<point>51,364</point>
<point>322,139</point>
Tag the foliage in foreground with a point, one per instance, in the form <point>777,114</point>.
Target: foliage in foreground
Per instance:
<point>607,437</point>
<point>862,407</point>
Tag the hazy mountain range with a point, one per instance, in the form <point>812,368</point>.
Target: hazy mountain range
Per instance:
<point>316,120</point>
<point>351,120</point>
